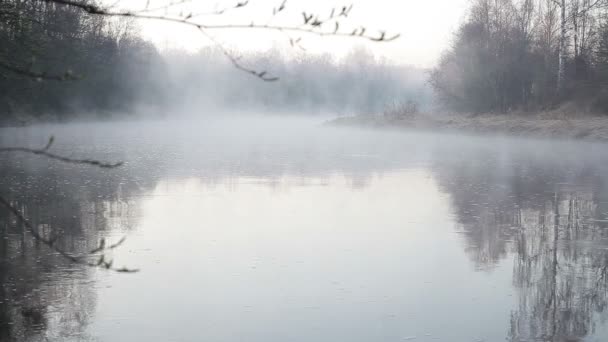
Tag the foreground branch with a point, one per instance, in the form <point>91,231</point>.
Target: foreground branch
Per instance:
<point>312,24</point>
<point>77,259</point>
<point>44,152</point>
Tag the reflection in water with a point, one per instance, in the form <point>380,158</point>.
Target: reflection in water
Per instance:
<point>284,232</point>
<point>553,222</point>
<point>42,296</point>
<point>561,267</point>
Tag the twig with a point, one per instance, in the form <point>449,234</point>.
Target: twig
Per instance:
<point>238,5</point>
<point>263,75</point>
<point>77,259</point>
<point>312,25</point>
<point>44,152</point>
<point>147,9</point>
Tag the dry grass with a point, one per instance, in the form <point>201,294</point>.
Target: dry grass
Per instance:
<point>555,124</point>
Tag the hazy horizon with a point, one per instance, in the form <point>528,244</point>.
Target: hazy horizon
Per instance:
<point>426,28</point>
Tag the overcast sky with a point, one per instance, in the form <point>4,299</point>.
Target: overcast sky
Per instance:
<point>425,26</point>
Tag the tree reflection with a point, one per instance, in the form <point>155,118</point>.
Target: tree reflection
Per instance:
<point>42,295</point>
<point>554,226</point>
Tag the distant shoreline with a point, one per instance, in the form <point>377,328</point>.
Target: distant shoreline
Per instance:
<point>588,128</point>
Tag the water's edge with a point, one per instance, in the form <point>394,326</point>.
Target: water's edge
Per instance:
<point>588,129</point>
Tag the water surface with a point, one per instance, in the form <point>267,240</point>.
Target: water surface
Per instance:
<point>284,230</point>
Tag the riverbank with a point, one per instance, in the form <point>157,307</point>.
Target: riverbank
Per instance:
<point>541,125</point>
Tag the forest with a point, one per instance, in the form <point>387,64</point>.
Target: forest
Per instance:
<point>55,57</point>
<point>526,55</point>
<point>60,62</point>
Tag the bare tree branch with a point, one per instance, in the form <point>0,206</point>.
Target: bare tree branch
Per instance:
<point>44,152</point>
<point>238,5</point>
<point>312,24</point>
<point>77,259</point>
<point>165,7</point>
<point>263,75</point>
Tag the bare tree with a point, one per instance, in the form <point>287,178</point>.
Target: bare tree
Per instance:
<point>516,54</point>
<point>578,9</point>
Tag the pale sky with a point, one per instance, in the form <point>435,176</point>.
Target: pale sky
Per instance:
<point>426,26</point>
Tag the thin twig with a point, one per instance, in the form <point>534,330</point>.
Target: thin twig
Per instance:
<point>263,75</point>
<point>166,7</point>
<point>44,152</point>
<point>77,259</point>
<point>238,5</point>
<point>312,25</point>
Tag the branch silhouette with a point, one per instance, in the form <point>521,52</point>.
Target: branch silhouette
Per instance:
<point>312,24</point>
<point>238,5</point>
<point>83,259</point>
<point>45,153</point>
<point>78,259</point>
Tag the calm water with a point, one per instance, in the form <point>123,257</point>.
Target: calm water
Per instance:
<point>282,230</point>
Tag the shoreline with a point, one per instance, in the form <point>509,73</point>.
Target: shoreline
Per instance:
<point>585,128</point>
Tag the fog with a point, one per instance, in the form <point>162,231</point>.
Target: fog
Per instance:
<point>283,227</point>
<point>212,194</point>
<point>206,83</point>
<point>99,68</point>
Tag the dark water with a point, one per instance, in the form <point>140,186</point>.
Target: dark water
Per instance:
<point>281,230</point>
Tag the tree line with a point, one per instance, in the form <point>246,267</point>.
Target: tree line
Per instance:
<point>358,83</point>
<point>56,59</point>
<point>60,59</point>
<point>526,55</point>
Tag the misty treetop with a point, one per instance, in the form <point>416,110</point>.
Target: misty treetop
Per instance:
<point>526,55</point>
<point>357,83</point>
<point>58,61</point>
<point>55,59</point>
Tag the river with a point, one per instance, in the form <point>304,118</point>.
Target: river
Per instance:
<point>275,229</point>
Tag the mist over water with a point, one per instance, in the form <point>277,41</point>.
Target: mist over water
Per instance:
<point>358,83</point>
<point>219,191</point>
<point>274,228</point>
